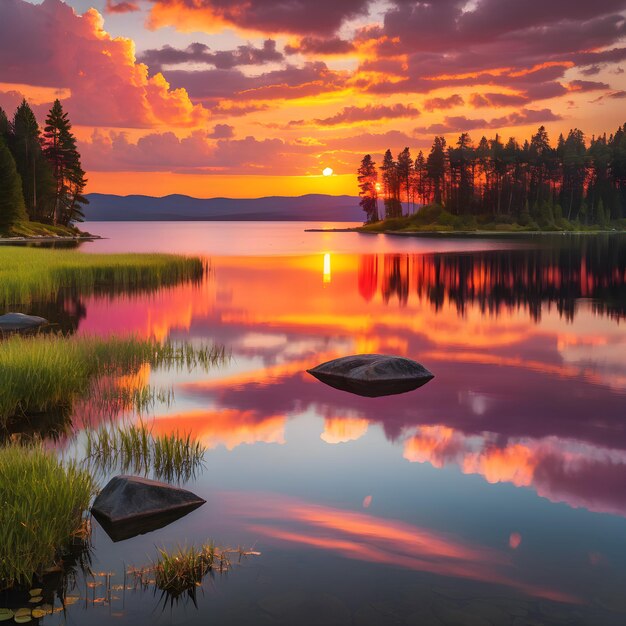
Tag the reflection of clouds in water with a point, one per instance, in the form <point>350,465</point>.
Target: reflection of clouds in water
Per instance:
<point>560,470</point>
<point>502,404</point>
<point>361,536</point>
<point>343,429</point>
<point>477,402</point>
<point>255,340</point>
<point>601,356</point>
<point>228,428</point>
<point>515,539</point>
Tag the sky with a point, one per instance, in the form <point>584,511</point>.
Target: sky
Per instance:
<point>246,98</point>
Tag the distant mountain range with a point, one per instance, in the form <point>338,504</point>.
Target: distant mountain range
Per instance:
<point>312,207</point>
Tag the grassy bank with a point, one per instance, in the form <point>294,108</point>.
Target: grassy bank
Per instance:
<point>37,229</point>
<point>40,373</point>
<point>435,219</point>
<point>43,504</point>
<point>34,274</point>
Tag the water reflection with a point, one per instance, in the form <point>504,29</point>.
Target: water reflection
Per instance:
<point>458,480</point>
<point>520,397</point>
<point>365,537</point>
<point>504,280</point>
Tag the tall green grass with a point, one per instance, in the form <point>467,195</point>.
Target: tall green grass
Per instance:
<point>42,506</point>
<point>38,274</point>
<point>133,448</point>
<point>41,373</point>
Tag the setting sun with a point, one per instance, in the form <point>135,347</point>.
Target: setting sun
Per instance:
<point>328,171</point>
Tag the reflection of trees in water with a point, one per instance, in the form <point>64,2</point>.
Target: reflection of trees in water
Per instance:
<point>506,279</point>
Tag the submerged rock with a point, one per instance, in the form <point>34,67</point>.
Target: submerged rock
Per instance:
<point>130,506</point>
<point>11,322</point>
<point>372,375</point>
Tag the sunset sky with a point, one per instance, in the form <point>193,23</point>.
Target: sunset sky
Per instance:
<point>245,98</point>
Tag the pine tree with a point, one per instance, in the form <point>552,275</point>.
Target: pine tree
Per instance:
<point>404,166</point>
<point>601,219</point>
<point>436,168</point>
<point>420,177</point>
<point>391,186</point>
<point>4,125</point>
<point>33,168</point>
<point>12,210</point>
<point>368,180</point>
<point>60,149</point>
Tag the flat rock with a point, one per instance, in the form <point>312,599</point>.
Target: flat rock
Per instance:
<point>372,375</point>
<point>20,321</point>
<point>131,505</point>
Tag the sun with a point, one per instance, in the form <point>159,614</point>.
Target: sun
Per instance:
<point>327,171</point>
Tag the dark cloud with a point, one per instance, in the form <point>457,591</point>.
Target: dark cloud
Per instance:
<point>290,82</point>
<point>120,7</point>
<point>525,46</point>
<point>369,113</point>
<point>460,123</point>
<point>322,17</point>
<point>221,59</point>
<point>478,100</point>
<point>587,85</point>
<point>434,104</point>
<point>320,45</point>
<point>222,131</point>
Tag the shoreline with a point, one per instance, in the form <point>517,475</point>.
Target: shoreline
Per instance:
<point>47,239</point>
<point>464,233</point>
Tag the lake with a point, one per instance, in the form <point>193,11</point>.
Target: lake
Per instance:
<point>495,494</point>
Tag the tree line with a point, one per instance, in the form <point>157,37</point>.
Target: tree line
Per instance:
<point>529,183</point>
<point>41,178</point>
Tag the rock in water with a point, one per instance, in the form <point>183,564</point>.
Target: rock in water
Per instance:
<point>372,375</point>
<point>12,322</point>
<point>130,506</point>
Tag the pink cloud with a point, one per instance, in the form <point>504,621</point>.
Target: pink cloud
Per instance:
<point>50,45</point>
<point>199,152</point>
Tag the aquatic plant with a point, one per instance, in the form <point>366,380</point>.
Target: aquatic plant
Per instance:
<point>37,274</point>
<point>44,500</point>
<point>42,373</point>
<point>180,572</point>
<point>133,448</point>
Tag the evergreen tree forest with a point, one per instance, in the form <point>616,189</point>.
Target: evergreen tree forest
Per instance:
<point>535,184</point>
<point>41,178</point>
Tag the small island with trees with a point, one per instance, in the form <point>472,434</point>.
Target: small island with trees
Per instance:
<point>499,187</point>
<point>41,176</point>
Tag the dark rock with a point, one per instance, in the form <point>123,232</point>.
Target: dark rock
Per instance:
<point>130,506</point>
<point>372,375</point>
<point>11,322</point>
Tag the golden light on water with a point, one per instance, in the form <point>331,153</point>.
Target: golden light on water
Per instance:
<point>327,267</point>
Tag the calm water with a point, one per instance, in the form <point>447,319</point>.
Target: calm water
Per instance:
<point>496,494</point>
